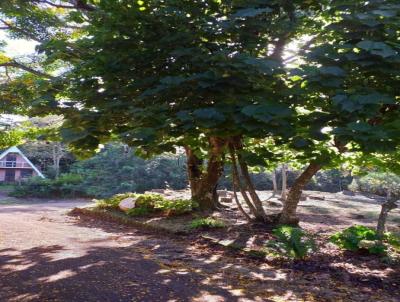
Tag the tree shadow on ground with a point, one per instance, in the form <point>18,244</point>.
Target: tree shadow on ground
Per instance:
<point>150,269</point>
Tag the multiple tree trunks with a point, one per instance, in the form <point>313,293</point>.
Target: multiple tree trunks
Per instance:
<point>251,198</point>
<point>288,215</point>
<point>204,181</point>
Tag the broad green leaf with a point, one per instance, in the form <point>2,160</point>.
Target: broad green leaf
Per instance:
<point>251,12</point>
<point>377,48</point>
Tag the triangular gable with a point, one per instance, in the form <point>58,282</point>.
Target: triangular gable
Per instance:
<point>16,150</point>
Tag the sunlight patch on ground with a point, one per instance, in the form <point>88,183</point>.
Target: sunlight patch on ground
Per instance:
<point>58,276</point>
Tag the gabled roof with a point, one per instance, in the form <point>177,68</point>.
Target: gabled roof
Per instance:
<point>16,150</point>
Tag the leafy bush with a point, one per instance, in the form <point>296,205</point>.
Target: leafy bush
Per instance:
<point>149,203</point>
<point>393,240</point>
<point>377,183</point>
<point>206,223</point>
<point>113,201</point>
<point>139,211</point>
<point>292,242</point>
<point>117,170</point>
<point>177,206</point>
<point>359,238</point>
<point>65,186</point>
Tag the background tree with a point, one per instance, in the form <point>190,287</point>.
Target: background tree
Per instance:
<point>351,85</point>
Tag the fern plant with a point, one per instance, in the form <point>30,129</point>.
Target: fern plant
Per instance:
<point>291,242</point>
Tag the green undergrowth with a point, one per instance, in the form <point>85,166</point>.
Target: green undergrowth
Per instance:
<point>146,204</point>
<point>359,238</point>
<point>206,223</point>
<point>290,242</point>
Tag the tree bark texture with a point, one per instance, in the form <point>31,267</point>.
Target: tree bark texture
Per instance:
<point>284,182</point>
<point>204,180</point>
<point>288,215</point>
<point>386,208</point>
<point>274,183</point>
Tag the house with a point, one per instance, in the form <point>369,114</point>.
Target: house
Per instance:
<point>15,166</point>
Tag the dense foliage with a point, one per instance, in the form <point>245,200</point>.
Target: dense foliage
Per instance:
<point>149,203</point>
<point>359,238</point>
<point>66,186</point>
<point>291,242</point>
<point>211,77</point>
<point>116,170</point>
<point>377,183</point>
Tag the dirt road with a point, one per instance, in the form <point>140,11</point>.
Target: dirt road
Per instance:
<point>46,255</point>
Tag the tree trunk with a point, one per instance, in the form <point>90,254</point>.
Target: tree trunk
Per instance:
<point>203,182</point>
<point>288,215</point>
<point>236,179</point>
<point>386,208</point>
<point>260,215</point>
<point>274,183</point>
<point>234,186</point>
<point>284,182</point>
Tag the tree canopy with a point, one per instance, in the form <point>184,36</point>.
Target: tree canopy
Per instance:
<point>216,78</point>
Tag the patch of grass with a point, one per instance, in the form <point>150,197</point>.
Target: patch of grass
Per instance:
<point>206,223</point>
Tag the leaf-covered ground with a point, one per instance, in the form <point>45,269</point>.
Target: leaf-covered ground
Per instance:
<point>46,255</point>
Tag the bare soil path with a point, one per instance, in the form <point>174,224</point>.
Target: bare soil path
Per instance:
<point>46,255</point>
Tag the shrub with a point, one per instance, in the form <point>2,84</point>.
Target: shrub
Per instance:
<point>65,186</point>
<point>291,242</point>
<point>393,240</point>
<point>377,183</point>
<point>139,211</point>
<point>177,206</point>
<point>113,202</point>
<point>149,203</point>
<point>206,223</point>
<point>358,238</point>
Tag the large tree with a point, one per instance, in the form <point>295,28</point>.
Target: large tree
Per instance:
<point>352,83</point>
<point>161,74</point>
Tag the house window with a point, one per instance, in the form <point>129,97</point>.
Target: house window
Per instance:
<point>11,160</point>
<point>26,173</point>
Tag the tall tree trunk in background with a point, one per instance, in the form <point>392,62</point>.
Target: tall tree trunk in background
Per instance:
<point>204,180</point>
<point>284,182</point>
<point>389,205</point>
<point>288,215</point>
<point>274,183</point>
<point>57,156</point>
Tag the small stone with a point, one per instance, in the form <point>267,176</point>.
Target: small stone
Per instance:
<point>127,204</point>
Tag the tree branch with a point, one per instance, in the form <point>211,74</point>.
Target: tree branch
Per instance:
<point>75,4</point>
<point>28,69</point>
<point>9,26</point>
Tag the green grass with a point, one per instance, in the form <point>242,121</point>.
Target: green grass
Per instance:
<point>206,223</point>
